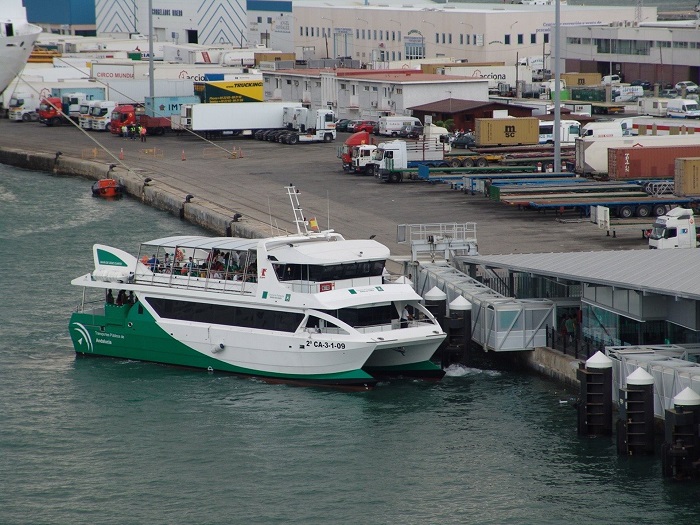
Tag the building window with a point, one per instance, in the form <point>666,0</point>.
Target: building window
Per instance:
<point>467,40</point>
<point>289,82</point>
<point>506,40</point>
<point>521,39</point>
<point>437,38</point>
<point>381,35</point>
<point>399,38</point>
<point>375,34</point>
<point>374,88</point>
<point>365,88</point>
<point>546,38</point>
<point>269,19</point>
<point>461,39</point>
<point>357,34</point>
<point>399,91</point>
<point>533,38</point>
<point>307,31</point>
<point>393,55</point>
<point>399,55</point>
<point>342,86</point>
<point>312,31</point>
<point>260,20</point>
<point>301,31</point>
<point>449,38</point>
<point>363,34</point>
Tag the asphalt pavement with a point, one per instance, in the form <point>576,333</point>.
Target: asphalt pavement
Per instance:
<point>248,177</point>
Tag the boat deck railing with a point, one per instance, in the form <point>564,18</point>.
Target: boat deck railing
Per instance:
<point>226,282</point>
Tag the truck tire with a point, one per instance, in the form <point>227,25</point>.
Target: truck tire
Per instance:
<point>481,162</point>
<point>159,131</point>
<point>644,211</point>
<point>371,170</point>
<point>328,137</point>
<point>108,127</point>
<point>394,177</point>
<point>658,210</point>
<point>292,138</point>
<point>468,163</point>
<point>625,212</point>
<point>455,163</point>
<point>55,121</point>
<point>26,117</point>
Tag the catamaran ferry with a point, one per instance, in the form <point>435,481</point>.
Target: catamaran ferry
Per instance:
<point>310,307</point>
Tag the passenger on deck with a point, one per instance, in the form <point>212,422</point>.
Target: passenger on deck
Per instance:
<point>121,296</point>
<point>188,267</point>
<point>131,299</point>
<point>405,317</point>
<point>153,263</point>
<point>110,297</point>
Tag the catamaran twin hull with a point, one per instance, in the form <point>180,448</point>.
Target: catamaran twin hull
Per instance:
<point>132,332</point>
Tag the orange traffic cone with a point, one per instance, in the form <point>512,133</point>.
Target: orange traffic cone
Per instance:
<point>121,154</point>
<point>183,154</point>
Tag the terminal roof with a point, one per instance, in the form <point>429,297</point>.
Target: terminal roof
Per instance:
<point>665,272</point>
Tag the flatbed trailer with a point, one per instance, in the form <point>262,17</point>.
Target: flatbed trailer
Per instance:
<point>573,189</point>
<point>600,215</point>
<point>476,183</point>
<point>442,174</point>
<point>622,207</point>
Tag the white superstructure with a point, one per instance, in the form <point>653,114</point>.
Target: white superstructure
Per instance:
<point>17,38</point>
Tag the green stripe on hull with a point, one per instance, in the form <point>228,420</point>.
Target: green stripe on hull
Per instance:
<point>124,333</point>
<point>424,369</point>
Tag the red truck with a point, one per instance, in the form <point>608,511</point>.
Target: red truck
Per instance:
<point>135,114</point>
<point>345,152</point>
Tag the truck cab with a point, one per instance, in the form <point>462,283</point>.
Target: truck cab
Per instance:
<point>50,111</point>
<point>346,151</point>
<point>124,115</point>
<point>23,107</point>
<point>363,158</point>
<point>676,229</point>
<point>101,115</point>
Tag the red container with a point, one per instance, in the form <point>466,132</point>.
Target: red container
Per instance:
<point>647,162</point>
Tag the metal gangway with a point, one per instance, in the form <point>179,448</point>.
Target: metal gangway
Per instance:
<point>448,239</point>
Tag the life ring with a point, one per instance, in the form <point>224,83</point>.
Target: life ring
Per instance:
<point>144,259</point>
<point>179,254</point>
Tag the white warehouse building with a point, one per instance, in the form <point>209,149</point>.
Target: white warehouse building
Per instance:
<point>399,30</point>
<point>368,94</point>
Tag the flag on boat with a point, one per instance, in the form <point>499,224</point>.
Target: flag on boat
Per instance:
<point>313,224</point>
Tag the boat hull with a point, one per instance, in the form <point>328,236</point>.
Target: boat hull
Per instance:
<point>129,332</point>
<point>407,357</point>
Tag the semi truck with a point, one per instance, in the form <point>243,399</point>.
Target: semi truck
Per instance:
<point>391,159</point>
<point>675,229</point>
<point>216,120</point>
<point>23,106</point>
<point>63,104</point>
<point>101,115</point>
<point>156,115</point>
<point>351,144</point>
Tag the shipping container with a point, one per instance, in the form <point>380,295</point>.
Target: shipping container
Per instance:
<point>167,106</point>
<point>507,131</point>
<point>655,162</point>
<point>687,177</point>
<point>588,94</point>
<point>581,79</point>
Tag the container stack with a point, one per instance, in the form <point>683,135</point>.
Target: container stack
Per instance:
<point>649,162</point>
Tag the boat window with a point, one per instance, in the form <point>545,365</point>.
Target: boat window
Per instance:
<point>334,272</point>
<point>226,315</point>
<point>372,316</point>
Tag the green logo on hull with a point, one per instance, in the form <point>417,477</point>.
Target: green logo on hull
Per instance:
<point>108,259</point>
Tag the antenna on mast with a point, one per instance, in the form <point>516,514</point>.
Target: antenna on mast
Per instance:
<point>299,219</point>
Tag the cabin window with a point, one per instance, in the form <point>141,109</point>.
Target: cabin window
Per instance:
<point>372,316</point>
<point>335,272</point>
<point>226,315</point>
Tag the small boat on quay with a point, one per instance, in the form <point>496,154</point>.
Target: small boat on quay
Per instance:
<point>309,307</point>
<point>107,188</point>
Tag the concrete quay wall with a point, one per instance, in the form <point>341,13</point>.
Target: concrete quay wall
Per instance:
<point>159,195</point>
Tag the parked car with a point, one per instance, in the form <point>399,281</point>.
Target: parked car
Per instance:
<point>364,125</point>
<point>646,85</point>
<point>411,132</point>
<point>668,93</point>
<point>463,141</point>
<point>350,126</point>
<point>342,124</point>
<point>690,87</point>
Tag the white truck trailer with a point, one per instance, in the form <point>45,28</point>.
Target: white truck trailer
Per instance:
<point>235,118</point>
<point>592,152</point>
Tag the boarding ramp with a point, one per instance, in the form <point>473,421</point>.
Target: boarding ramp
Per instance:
<point>444,239</point>
<point>498,323</point>
<point>673,367</point>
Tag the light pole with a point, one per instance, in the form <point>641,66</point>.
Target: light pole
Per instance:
<point>423,38</point>
<point>334,53</point>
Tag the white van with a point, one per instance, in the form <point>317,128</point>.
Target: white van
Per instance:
<point>611,79</point>
<point>682,108</point>
<point>610,128</point>
<point>391,126</point>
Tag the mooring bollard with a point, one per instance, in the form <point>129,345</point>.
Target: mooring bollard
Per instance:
<point>681,449</point>
<point>635,424</point>
<point>595,405</point>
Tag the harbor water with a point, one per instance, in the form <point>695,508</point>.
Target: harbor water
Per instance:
<point>90,440</point>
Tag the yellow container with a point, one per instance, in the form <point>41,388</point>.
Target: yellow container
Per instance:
<point>687,177</point>
<point>507,131</point>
